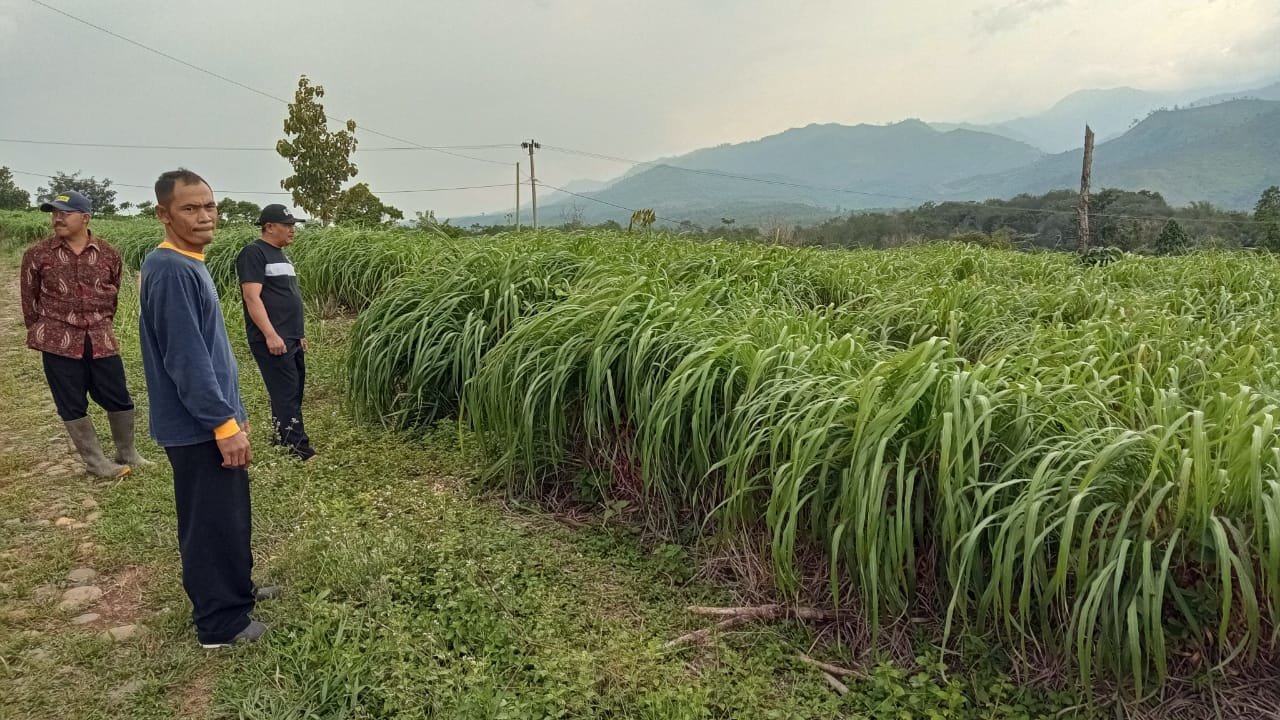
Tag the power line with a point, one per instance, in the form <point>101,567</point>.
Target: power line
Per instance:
<point>602,156</point>
<point>677,223</point>
<point>731,176</point>
<point>441,149</point>
<point>531,146</point>
<point>280,192</point>
<point>224,148</point>
<point>444,189</point>
<point>767,181</point>
<point>380,192</point>
<point>968,203</point>
<point>250,88</point>
<point>48,176</point>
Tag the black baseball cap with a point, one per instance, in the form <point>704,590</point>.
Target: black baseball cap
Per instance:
<point>68,200</point>
<point>277,213</point>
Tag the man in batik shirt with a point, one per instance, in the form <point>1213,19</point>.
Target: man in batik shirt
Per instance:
<point>69,286</point>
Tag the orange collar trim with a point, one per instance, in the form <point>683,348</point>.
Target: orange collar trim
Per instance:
<point>170,246</point>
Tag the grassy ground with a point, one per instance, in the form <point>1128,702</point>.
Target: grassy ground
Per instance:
<point>409,593</point>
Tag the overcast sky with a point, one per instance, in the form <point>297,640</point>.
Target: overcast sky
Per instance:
<point>626,78</point>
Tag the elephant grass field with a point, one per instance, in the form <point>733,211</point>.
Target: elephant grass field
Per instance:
<point>1077,461</point>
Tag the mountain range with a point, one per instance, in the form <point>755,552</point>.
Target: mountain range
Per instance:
<point>1226,154</point>
<point>1109,112</point>
<point>1222,148</point>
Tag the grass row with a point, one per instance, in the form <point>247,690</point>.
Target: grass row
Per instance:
<point>409,596</point>
<point>1079,457</point>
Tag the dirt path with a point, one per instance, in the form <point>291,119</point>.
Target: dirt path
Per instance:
<point>61,590</point>
<point>50,504</point>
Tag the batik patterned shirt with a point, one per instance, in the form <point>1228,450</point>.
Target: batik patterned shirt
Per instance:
<point>66,297</point>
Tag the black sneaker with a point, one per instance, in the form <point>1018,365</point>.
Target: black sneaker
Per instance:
<point>270,592</point>
<point>251,633</point>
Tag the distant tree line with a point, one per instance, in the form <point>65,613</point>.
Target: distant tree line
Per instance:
<point>1127,220</point>
<point>1132,221</point>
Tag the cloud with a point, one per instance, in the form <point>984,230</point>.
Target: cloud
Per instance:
<point>598,76</point>
<point>999,19</point>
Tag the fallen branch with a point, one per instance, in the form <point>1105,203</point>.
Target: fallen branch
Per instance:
<point>827,667</point>
<point>835,684</point>
<point>700,636</point>
<point>767,612</point>
<point>829,672</point>
<point>735,616</point>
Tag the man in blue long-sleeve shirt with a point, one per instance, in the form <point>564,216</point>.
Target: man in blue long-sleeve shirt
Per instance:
<point>196,413</point>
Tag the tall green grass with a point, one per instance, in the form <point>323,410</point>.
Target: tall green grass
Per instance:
<point>19,229</point>
<point>1078,458</point>
<point>1072,458</point>
<point>338,265</point>
<point>411,369</point>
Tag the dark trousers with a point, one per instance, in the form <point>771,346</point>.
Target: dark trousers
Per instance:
<point>74,380</point>
<point>213,537</point>
<point>285,375</point>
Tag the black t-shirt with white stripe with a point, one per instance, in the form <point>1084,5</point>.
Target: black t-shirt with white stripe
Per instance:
<point>262,262</point>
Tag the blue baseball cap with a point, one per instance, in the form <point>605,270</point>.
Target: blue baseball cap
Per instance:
<point>68,200</point>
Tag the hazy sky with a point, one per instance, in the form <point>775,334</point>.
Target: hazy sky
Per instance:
<point>631,79</point>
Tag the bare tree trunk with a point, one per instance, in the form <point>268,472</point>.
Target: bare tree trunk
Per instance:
<point>1082,210</point>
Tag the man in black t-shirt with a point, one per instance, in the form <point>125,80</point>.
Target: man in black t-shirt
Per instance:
<point>274,324</point>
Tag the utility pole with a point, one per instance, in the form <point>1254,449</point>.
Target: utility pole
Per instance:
<point>1082,210</point>
<point>517,197</point>
<point>533,178</point>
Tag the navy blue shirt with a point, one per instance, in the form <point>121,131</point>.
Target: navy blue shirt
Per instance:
<point>192,377</point>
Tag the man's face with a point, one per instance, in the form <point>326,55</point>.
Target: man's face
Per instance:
<point>278,234</point>
<point>191,214</point>
<point>68,224</point>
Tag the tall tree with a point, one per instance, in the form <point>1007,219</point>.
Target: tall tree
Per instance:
<point>1173,240</point>
<point>1267,212</point>
<point>321,158</point>
<point>99,191</point>
<point>358,206</point>
<point>237,211</point>
<point>12,197</point>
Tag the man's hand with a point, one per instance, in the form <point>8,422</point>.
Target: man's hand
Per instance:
<point>303,344</point>
<point>235,450</point>
<point>275,345</point>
